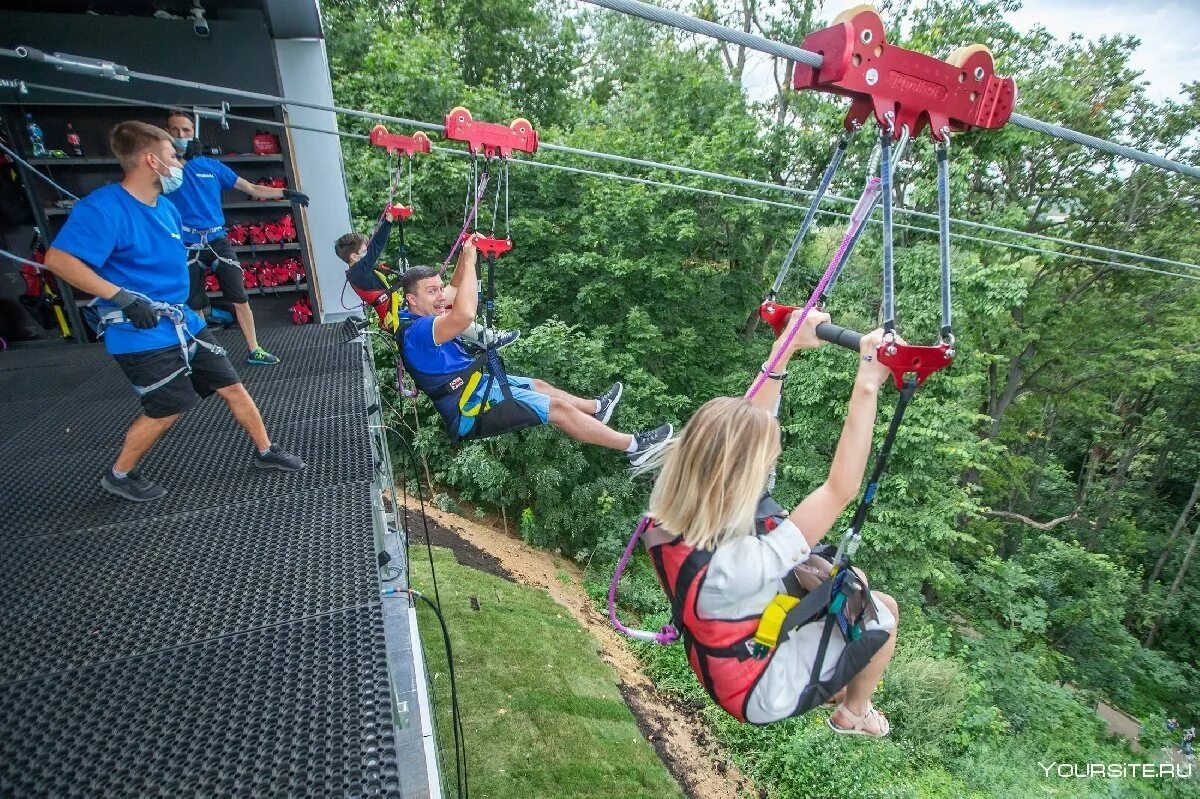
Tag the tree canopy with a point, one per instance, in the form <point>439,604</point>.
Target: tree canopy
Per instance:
<point>1040,517</point>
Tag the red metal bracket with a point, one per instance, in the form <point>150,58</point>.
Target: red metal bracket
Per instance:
<point>492,246</point>
<point>957,94</point>
<point>402,211</point>
<point>489,138</point>
<point>776,315</point>
<point>905,359</point>
<point>398,143</point>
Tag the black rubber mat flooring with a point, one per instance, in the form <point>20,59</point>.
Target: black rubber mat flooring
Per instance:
<point>225,640</point>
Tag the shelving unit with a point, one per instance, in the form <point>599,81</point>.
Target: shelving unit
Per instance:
<point>83,175</point>
<point>231,158</point>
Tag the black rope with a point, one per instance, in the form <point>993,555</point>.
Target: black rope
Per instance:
<point>411,457</point>
<point>460,743</point>
<point>851,539</point>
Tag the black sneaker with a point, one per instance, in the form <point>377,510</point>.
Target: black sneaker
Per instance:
<point>505,337</point>
<point>132,486</point>
<point>649,442</point>
<point>608,402</point>
<point>278,458</point>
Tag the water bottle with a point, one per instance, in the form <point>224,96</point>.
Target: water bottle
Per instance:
<point>74,146</point>
<point>36,139</point>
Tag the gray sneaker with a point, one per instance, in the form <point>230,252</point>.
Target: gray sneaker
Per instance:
<point>648,443</point>
<point>132,486</point>
<point>278,458</point>
<point>503,338</point>
<point>608,402</point>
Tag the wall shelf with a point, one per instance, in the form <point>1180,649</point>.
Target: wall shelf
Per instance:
<point>268,291</point>
<point>240,158</point>
<point>261,249</point>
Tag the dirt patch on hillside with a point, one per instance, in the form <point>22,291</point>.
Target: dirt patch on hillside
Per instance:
<point>676,731</point>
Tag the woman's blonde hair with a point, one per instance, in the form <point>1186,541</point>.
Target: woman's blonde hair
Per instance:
<point>713,476</point>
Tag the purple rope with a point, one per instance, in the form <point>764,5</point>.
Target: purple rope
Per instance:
<point>816,294</point>
<point>664,636</point>
<point>462,234</point>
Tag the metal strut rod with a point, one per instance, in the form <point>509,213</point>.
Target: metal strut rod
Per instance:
<point>726,34</point>
<point>885,191</point>
<point>835,160</point>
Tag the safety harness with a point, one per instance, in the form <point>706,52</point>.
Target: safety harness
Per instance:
<point>188,343</point>
<point>730,656</point>
<point>959,94</point>
<point>203,245</point>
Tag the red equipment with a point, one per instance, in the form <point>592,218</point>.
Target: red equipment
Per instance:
<point>237,235</point>
<point>401,211</point>
<point>492,246</point>
<point>302,312</point>
<point>266,143</point>
<point>273,232</point>
<point>250,276</point>
<point>957,94</point>
<point>210,282</point>
<point>901,359</point>
<point>490,139</point>
<point>397,143</point>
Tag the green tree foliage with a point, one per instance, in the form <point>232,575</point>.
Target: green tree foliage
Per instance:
<point>1036,524</point>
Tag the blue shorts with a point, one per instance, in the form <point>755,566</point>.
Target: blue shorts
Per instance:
<point>537,405</point>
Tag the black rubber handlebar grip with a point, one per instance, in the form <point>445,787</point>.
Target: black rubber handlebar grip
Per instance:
<point>835,334</point>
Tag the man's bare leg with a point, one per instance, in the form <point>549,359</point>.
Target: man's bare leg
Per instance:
<point>140,436</point>
<point>245,320</point>
<point>587,406</point>
<point>242,406</point>
<point>582,426</point>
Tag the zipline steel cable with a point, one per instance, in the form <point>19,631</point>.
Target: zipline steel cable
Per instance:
<point>750,41</point>
<point>708,192</point>
<point>639,162</point>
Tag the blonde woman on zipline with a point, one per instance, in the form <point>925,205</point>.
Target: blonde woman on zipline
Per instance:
<point>724,551</point>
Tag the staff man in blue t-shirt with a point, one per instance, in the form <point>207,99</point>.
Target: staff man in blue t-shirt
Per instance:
<point>471,402</point>
<point>122,243</point>
<point>199,204</point>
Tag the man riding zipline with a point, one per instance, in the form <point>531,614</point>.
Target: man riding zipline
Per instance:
<point>474,402</point>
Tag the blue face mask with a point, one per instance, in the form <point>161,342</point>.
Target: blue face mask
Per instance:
<point>181,145</point>
<point>172,180</point>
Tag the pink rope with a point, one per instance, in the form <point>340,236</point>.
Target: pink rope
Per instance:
<point>857,219</point>
<point>668,634</point>
<point>465,232</point>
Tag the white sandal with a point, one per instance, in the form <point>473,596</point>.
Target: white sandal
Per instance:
<point>859,727</point>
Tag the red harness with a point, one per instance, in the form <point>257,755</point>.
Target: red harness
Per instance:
<point>719,650</point>
<point>381,301</point>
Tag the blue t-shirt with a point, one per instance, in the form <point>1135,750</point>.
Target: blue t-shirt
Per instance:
<point>137,247</point>
<point>429,357</point>
<point>199,198</point>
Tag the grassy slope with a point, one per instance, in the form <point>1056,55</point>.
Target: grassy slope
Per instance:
<point>541,711</point>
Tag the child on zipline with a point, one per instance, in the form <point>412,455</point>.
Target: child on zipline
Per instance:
<point>723,551</point>
<point>377,284</point>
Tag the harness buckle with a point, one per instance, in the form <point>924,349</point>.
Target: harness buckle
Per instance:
<point>770,625</point>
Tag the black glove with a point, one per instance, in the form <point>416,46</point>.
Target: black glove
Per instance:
<point>298,197</point>
<point>137,309</point>
<point>194,149</point>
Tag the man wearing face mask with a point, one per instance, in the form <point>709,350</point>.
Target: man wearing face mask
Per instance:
<point>199,204</point>
<point>122,243</point>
